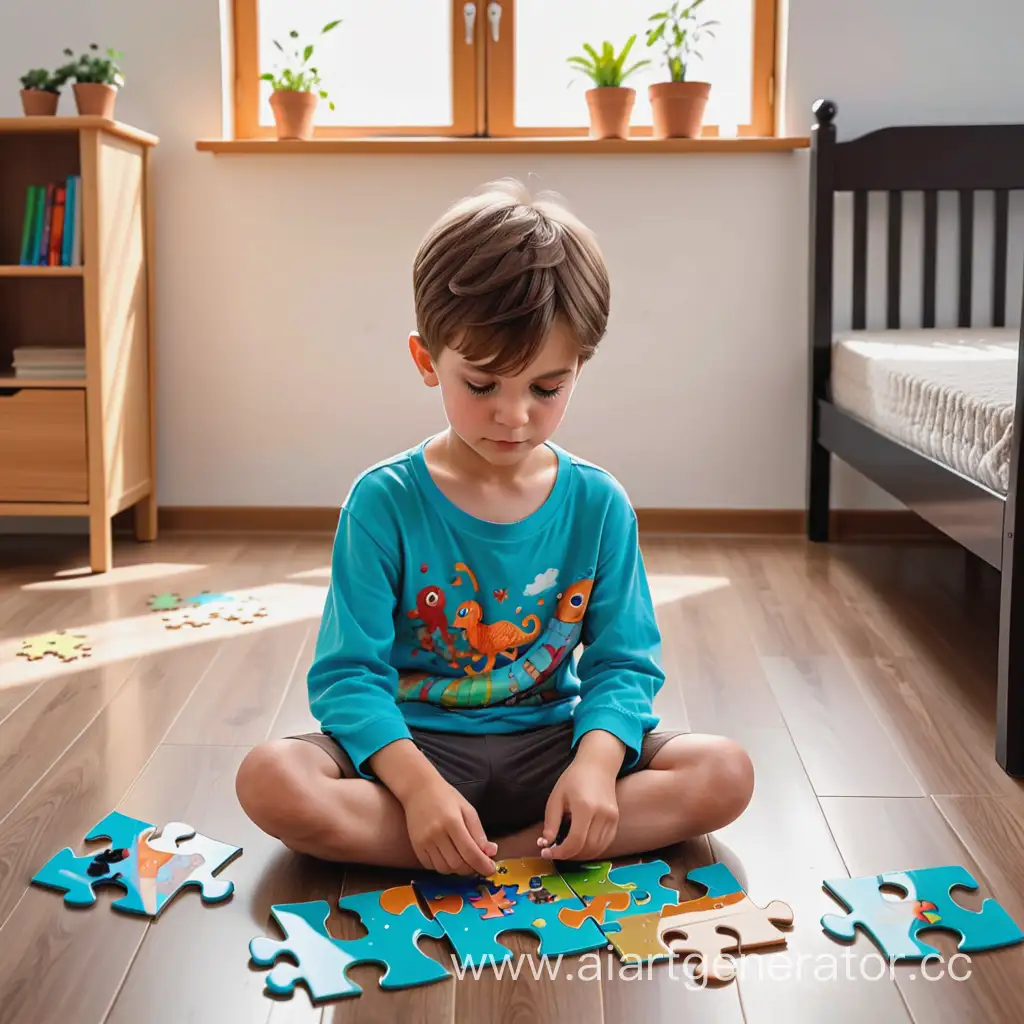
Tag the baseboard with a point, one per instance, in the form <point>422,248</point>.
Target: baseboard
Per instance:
<point>847,524</point>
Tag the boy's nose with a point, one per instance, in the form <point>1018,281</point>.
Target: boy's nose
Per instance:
<point>513,415</point>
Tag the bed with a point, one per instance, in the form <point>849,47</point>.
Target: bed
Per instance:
<point>929,412</point>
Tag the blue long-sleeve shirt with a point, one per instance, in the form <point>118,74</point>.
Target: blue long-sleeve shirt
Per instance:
<point>440,620</point>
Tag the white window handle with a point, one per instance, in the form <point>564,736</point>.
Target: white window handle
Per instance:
<point>494,17</point>
<point>469,17</point>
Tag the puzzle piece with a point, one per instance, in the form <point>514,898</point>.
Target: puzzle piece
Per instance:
<point>152,865</point>
<point>528,900</point>
<point>246,611</point>
<point>165,602</point>
<point>208,597</point>
<point>894,923</point>
<point>713,925</point>
<point>194,617</point>
<point>61,644</point>
<point>394,925</point>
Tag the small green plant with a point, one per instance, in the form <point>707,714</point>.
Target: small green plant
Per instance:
<point>91,68</point>
<point>604,68</point>
<point>679,31</point>
<point>43,80</point>
<point>296,75</point>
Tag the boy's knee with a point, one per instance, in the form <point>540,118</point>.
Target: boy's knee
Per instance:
<point>733,775</point>
<point>268,787</point>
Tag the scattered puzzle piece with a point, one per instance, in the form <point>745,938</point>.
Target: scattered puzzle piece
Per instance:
<point>894,923</point>
<point>246,611</point>
<point>60,644</point>
<point>164,602</point>
<point>152,865</point>
<point>528,897</point>
<point>193,617</point>
<point>394,924</point>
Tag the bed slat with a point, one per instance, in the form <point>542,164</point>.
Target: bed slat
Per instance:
<point>1002,216</point>
<point>892,319</point>
<point>860,260</point>
<point>966,254</point>
<point>931,232</point>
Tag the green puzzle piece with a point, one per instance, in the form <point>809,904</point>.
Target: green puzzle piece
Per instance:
<point>894,924</point>
<point>152,865</point>
<point>394,924</point>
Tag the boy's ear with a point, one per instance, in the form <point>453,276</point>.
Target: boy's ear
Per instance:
<point>421,357</point>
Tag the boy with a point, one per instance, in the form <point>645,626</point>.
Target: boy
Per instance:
<point>465,573</point>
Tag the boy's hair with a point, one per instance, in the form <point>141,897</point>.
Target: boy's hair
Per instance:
<point>496,270</point>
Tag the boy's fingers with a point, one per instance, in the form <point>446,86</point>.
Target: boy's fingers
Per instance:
<point>575,840</point>
<point>476,830</point>
<point>552,818</point>
<point>470,851</point>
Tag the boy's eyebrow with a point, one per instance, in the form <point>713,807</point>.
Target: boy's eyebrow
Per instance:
<point>553,373</point>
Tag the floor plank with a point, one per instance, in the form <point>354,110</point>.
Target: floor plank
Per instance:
<point>240,697</point>
<point>880,835</point>
<point>845,749</point>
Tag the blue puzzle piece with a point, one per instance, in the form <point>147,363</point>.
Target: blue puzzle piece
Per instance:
<point>394,924</point>
<point>643,880</point>
<point>151,865</point>
<point>716,878</point>
<point>894,924</point>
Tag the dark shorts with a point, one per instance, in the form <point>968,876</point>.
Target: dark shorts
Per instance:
<point>507,777</point>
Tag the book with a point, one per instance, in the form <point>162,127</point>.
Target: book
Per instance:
<point>52,225</point>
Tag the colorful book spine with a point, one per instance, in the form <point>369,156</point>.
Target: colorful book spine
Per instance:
<point>51,231</point>
<point>28,227</point>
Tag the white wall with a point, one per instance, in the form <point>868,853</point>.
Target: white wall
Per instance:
<point>283,282</point>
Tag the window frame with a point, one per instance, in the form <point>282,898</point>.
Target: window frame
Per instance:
<point>483,84</point>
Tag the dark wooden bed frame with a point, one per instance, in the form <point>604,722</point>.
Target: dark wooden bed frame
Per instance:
<point>928,159</point>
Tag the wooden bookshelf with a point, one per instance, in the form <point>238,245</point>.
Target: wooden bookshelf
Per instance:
<point>80,447</point>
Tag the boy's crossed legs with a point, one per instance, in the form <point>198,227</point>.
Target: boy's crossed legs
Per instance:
<point>297,791</point>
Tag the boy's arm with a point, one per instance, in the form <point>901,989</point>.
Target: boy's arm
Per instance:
<point>352,683</point>
<point>620,670</point>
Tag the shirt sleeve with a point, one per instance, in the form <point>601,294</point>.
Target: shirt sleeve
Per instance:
<point>352,684</point>
<point>620,668</point>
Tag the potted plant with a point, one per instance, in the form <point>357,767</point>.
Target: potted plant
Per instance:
<point>97,80</point>
<point>677,106</point>
<point>610,103</point>
<point>40,91</point>
<point>296,89</point>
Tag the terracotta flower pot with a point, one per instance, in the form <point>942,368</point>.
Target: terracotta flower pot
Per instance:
<point>610,110</point>
<point>95,99</point>
<point>293,113</point>
<point>39,102</point>
<point>677,108</point>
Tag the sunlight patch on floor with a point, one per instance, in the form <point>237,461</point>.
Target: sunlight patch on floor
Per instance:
<point>145,634</point>
<point>323,573</point>
<point>666,588</point>
<point>84,579</point>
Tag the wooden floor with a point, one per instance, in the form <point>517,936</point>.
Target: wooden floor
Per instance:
<point>861,679</point>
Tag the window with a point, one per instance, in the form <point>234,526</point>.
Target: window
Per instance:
<point>498,68</point>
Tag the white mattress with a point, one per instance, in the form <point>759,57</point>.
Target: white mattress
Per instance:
<point>948,394</point>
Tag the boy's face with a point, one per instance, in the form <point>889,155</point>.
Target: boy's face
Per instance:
<point>503,419</point>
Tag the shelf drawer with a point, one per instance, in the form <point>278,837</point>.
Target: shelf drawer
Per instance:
<point>42,445</point>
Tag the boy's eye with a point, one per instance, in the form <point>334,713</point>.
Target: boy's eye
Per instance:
<point>480,389</point>
<point>547,392</point>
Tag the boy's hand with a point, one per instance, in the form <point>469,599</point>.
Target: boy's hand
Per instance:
<point>446,833</point>
<point>586,793</point>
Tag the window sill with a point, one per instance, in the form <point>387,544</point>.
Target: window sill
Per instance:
<point>579,144</point>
